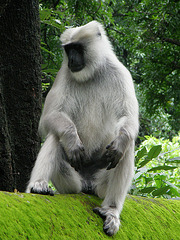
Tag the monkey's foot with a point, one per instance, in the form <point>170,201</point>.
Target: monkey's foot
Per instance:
<point>40,187</point>
<point>111,221</point>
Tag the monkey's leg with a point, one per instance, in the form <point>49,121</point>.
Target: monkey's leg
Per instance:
<point>116,183</point>
<point>47,167</point>
<point>65,178</point>
<point>43,167</point>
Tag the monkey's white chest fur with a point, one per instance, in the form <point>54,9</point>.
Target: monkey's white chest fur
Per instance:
<point>95,124</point>
<point>93,114</point>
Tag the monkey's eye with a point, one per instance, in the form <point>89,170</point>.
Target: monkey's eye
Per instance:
<point>76,46</point>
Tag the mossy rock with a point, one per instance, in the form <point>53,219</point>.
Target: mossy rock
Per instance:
<point>30,216</point>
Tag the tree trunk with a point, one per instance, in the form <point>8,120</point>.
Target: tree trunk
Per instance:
<point>20,91</point>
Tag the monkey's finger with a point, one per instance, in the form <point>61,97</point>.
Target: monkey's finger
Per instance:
<point>98,211</point>
<point>112,165</point>
<point>108,167</point>
<point>78,159</point>
<point>77,165</point>
<point>109,145</point>
<point>51,192</point>
<point>108,154</point>
<point>73,160</point>
<point>82,148</point>
<point>82,155</point>
<point>79,162</point>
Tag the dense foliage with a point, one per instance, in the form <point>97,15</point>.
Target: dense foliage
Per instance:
<point>157,173</point>
<point>144,34</point>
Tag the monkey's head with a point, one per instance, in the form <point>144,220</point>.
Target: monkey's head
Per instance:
<point>85,50</point>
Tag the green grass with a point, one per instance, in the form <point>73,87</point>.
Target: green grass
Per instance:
<point>30,216</point>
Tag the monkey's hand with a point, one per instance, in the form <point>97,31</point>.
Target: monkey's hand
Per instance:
<point>74,149</point>
<point>113,154</point>
<point>76,155</point>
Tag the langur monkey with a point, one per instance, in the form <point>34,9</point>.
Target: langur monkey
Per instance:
<point>90,121</point>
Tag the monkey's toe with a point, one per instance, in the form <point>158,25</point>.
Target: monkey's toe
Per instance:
<point>111,225</point>
<point>98,211</point>
<point>111,221</point>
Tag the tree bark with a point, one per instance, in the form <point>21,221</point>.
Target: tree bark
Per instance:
<point>20,91</point>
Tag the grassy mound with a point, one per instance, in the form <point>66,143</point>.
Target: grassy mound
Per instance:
<point>30,216</point>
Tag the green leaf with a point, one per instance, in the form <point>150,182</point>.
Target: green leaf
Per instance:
<point>44,49</point>
<point>147,190</point>
<point>174,192</point>
<point>137,175</point>
<point>174,160</point>
<point>161,168</point>
<point>160,180</point>
<point>143,163</point>
<point>161,191</point>
<point>45,14</point>
<point>170,184</point>
<point>51,70</point>
<point>148,179</point>
<point>141,153</point>
<point>52,23</point>
<point>154,151</point>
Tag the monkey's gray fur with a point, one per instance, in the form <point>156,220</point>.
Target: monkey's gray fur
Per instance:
<point>90,120</point>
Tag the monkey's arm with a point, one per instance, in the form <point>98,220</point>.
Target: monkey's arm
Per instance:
<point>59,124</point>
<point>117,148</point>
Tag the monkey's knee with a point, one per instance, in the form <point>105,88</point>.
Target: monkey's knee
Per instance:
<point>66,180</point>
<point>40,187</point>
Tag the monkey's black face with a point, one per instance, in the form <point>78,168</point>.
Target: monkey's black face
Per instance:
<point>75,53</point>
